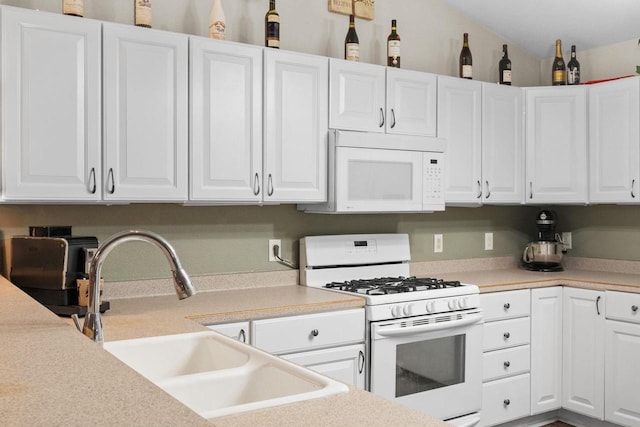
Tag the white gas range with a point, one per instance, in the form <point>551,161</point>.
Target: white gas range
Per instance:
<point>424,335</point>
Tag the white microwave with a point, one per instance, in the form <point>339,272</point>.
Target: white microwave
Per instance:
<point>374,173</point>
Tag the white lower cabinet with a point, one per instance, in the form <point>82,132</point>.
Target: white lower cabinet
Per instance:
<point>506,357</point>
<point>237,330</point>
<point>622,354</point>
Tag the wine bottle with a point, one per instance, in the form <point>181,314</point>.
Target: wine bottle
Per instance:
<point>466,70</point>
<point>272,26</point>
<point>73,7</point>
<point>559,71</point>
<point>217,21</point>
<point>351,42</point>
<point>573,68</point>
<point>393,46</point>
<point>142,13</point>
<point>505,67</point>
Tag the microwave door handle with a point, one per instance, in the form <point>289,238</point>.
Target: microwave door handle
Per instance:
<point>474,318</point>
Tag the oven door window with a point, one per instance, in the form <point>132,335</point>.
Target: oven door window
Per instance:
<point>430,364</point>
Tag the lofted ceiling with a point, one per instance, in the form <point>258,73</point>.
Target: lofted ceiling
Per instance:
<point>534,25</point>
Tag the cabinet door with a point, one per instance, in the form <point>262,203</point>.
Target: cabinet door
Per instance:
<point>145,114</point>
<point>622,391</point>
<point>357,96</point>
<point>226,121</point>
<point>546,348</point>
<point>583,352</point>
<point>614,141</point>
<point>459,121</point>
<point>51,87</point>
<point>295,127</point>
<point>502,144</point>
<point>411,102</point>
<point>556,145</point>
<point>345,364</point>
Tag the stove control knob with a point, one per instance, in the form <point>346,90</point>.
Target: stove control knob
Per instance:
<point>396,311</point>
<point>407,310</point>
<point>431,306</point>
<point>452,304</point>
<point>463,302</point>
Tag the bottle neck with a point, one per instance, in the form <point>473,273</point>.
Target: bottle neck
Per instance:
<point>272,4</point>
<point>352,23</point>
<point>558,50</point>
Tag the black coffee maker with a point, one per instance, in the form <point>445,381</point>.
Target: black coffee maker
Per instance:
<point>547,252</point>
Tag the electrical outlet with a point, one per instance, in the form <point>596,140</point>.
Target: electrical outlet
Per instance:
<point>566,240</point>
<point>272,243</point>
<point>438,243</point>
<point>488,241</point>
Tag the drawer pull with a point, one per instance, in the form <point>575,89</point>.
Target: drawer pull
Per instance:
<point>634,308</point>
<point>506,335</point>
<point>242,336</point>
<point>507,306</point>
<point>507,364</point>
<point>315,333</point>
<point>507,402</point>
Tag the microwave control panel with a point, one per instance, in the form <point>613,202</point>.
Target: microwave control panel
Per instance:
<point>433,185</point>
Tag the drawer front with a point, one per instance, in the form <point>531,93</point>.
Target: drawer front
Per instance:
<point>505,305</point>
<point>298,333</point>
<point>506,363</point>
<point>506,333</point>
<point>505,400</point>
<point>624,306</point>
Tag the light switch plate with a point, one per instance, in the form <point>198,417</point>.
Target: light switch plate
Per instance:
<point>488,241</point>
<point>438,243</point>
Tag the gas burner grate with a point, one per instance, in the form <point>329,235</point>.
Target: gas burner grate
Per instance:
<point>392,285</point>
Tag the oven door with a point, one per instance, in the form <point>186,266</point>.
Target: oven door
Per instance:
<point>432,364</point>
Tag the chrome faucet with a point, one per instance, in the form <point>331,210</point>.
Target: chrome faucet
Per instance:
<point>93,322</point>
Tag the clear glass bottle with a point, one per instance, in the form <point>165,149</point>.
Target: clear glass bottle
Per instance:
<point>573,68</point>
<point>272,26</point>
<point>393,46</point>
<point>558,70</point>
<point>505,67</point>
<point>351,42</point>
<point>466,62</point>
<point>217,21</point>
<point>142,13</point>
<point>73,7</point>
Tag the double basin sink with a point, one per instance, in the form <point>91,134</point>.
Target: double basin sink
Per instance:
<point>215,375</point>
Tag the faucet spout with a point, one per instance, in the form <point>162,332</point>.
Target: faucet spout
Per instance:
<point>93,321</point>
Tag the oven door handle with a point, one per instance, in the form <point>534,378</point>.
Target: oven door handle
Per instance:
<point>471,319</point>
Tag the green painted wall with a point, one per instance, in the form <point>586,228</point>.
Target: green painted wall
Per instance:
<point>213,240</point>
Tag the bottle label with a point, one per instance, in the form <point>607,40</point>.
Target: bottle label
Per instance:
<point>273,18</point>
<point>506,76</point>
<point>467,71</point>
<point>143,13</point>
<point>273,33</point>
<point>217,30</point>
<point>393,48</point>
<point>559,76</point>
<point>352,52</point>
<point>73,7</point>
<point>573,76</point>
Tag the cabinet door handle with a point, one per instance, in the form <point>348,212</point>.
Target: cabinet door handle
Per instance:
<point>479,190</point>
<point>315,333</point>
<point>506,335</point>
<point>598,305</point>
<point>507,306</point>
<point>507,402</point>
<point>110,178</point>
<point>361,362</point>
<point>381,117</point>
<point>530,189</point>
<point>507,364</point>
<point>488,191</point>
<point>270,186</point>
<point>393,118</point>
<point>242,336</point>
<point>633,183</point>
<point>634,308</point>
<point>92,181</point>
<point>256,184</point>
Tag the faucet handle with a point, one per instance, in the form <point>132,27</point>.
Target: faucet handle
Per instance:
<point>76,321</point>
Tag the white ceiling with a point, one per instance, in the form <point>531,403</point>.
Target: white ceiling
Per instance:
<point>534,25</point>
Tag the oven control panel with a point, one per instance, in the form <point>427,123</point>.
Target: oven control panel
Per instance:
<point>423,307</point>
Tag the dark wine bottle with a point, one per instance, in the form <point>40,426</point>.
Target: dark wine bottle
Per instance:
<point>272,26</point>
<point>559,70</point>
<point>573,68</point>
<point>351,42</point>
<point>505,67</point>
<point>393,46</point>
<point>466,70</point>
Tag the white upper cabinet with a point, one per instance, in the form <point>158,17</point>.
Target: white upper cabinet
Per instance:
<point>295,127</point>
<point>502,144</point>
<point>357,96</point>
<point>226,122</point>
<point>145,114</point>
<point>51,122</point>
<point>411,102</point>
<point>556,145</point>
<point>459,124</point>
<point>614,141</point>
